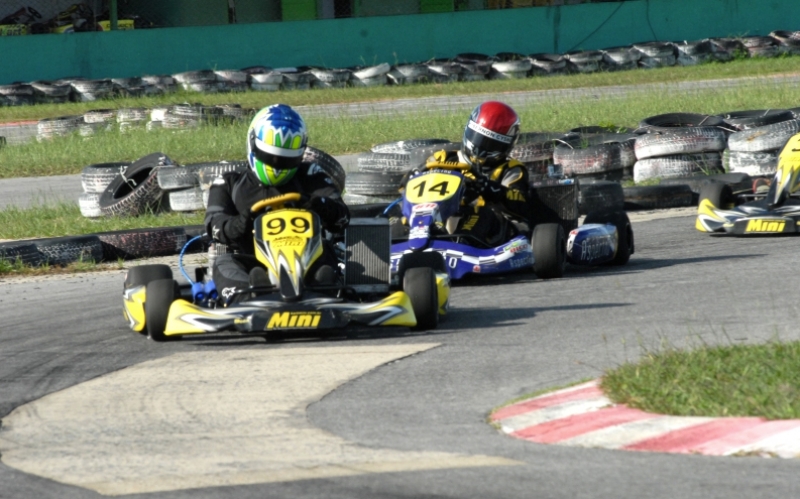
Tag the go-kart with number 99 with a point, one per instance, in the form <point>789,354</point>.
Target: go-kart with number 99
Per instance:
<point>288,242</point>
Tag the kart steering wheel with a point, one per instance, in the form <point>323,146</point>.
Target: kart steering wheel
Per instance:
<point>34,13</point>
<point>275,202</point>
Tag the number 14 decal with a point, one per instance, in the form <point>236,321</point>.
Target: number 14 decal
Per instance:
<point>440,188</point>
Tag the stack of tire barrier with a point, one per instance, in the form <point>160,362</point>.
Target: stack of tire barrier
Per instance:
<point>758,138</point>
<point>588,153</point>
<point>62,126</point>
<point>123,189</point>
<point>675,145</point>
<point>380,171</point>
<point>101,247</point>
<point>97,120</point>
<point>182,184</point>
<point>463,67</point>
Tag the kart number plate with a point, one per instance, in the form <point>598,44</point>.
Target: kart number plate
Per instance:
<point>286,224</point>
<point>432,188</point>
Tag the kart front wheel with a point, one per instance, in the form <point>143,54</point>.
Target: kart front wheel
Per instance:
<point>160,295</point>
<point>620,220</point>
<point>420,285</point>
<point>141,275</point>
<point>549,251</point>
<point>719,194</point>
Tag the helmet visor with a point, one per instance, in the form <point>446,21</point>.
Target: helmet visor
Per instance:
<point>278,158</point>
<point>485,144</point>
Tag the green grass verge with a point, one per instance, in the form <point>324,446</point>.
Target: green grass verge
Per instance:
<point>65,219</point>
<point>735,380</point>
<point>735,69</point>
<point>340,135</point>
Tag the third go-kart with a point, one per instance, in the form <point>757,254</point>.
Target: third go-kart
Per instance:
<point>772,213</point>
<point>288,241</point>
<point>434,198</point>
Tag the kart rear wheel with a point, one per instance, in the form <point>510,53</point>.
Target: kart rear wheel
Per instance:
<point>420,285</point>
<point>620,220</point>
<point>549,251</point>
<point>720,195</point>
<point>160,295</point>
<point>141,275</point>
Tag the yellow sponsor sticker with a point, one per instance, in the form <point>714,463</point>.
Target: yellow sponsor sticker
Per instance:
<point>288,320</point>
<point>758,225</point>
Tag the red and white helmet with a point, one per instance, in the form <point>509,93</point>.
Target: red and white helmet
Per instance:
<point>490,134</point>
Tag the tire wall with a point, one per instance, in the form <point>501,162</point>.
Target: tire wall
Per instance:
<point>345,42</point>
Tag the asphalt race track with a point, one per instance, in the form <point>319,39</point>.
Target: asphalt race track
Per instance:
<point>392,414</point>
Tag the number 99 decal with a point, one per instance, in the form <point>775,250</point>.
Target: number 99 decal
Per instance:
<point>432,188</point>
<point>286,223</point>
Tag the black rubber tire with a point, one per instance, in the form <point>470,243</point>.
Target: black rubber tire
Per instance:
<point>70,249</point>
<point>737,181</point>
<point>190,199</point>
<point>679,165</point>
<point>534,146</point>
<point>121,198</point>
<point>401,162</point>
<point>600,195</point>
<point>658,197</point>
<point>579,157</point>
<point>328,163</point>
<point>402,146</point>
<point>374,184</point>
<point>89,204</point>
<point>720,195</point>
<point>177,178</point>
<point>141,275</point>
<point>668,122</point>
<point>95,178</point>
<point>419,283</point>
<point>756,164</point>
<point>680,141</point>
<point>764,138</point>
<point>549,251</point>
<point>142,243</point>
<point>159,295</point>
<point>745,120</point>
<point>620,220</point>
<point>655,49</point>
<point>25,252</point>
<point>361,199</point>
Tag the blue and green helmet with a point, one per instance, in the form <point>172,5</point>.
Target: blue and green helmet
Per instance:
<point>276,141</point>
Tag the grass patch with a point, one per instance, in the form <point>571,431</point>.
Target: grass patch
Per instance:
<point>734,380</point>
<point>65,219</point>
<point>735,69</point>
<point>345,134</point>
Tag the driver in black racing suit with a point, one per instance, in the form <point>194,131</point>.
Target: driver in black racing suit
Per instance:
<point>498,184</point>
<point>276,141</point>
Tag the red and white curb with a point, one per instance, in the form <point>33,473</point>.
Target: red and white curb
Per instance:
<point>581,416</point>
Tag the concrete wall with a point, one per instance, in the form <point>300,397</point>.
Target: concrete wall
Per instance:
<point>412,38</point>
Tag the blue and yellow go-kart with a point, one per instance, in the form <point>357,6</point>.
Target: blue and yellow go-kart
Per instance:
<point>288,241</point>
<point>775,212</point>
<point>434,198</point>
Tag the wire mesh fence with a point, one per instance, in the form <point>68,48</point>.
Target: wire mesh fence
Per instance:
<point>22,17</point>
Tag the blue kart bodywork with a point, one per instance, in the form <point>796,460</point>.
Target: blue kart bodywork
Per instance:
<point>431,197</point>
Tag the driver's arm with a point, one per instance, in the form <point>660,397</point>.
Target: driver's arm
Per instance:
<point>324,200</point>
<point>223,222</point>
<point>514,195</point>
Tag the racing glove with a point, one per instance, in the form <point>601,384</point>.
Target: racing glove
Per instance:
<point>238,226</point>
<point>334,215</point>
<point>490,190</point>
